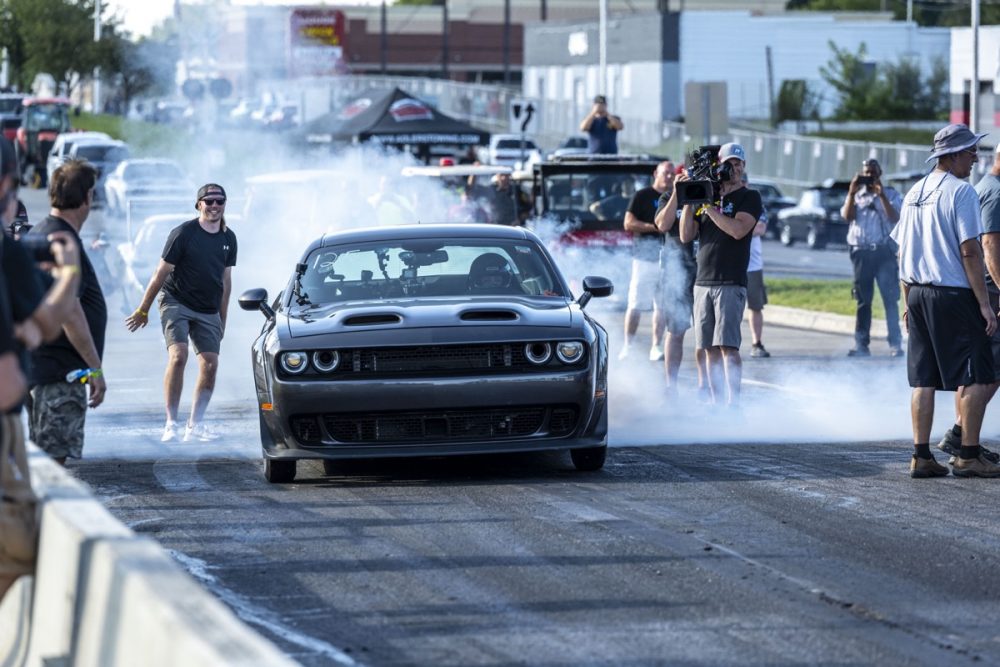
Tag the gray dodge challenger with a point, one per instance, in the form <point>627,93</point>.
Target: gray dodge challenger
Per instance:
<point>429,340</point>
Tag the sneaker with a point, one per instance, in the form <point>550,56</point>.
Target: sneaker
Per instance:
<point>624,354</point>
<point>758,351</point>
<point>924,468</point>
<point>896,351</point>
<point>859,351</point>
<point>169,432</point>
<point>199,432</point>
<point>655,353</point>
<point>977,467</point>
<point>951,443</point>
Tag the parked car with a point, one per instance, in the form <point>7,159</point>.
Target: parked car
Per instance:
<point>11,108</point>
<point>773,201</point>
<point>573,145</point>
<point>816,218</point>
<point>64,144</point>
<point>145,178</point>
<point>428,340</point>
<point>508,150</point>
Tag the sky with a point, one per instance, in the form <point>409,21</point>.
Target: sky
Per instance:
<point>139,16</point>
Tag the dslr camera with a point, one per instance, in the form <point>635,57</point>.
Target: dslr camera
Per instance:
<point>707,176</point>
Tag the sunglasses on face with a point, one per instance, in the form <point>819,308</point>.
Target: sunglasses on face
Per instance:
<point>214,202</point>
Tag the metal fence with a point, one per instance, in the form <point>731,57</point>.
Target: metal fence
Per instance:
<point>792,161</point>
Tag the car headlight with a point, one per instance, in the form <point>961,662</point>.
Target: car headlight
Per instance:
<point>294,362</point>
<point>326,360</point>
<point>569,352</point>
<point>538,353</point>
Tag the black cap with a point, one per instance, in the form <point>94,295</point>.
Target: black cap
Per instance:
<point>600,99</point>
<point>210,188</point>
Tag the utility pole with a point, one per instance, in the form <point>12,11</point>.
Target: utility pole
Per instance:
<point>506,42</point>
<point>909,11</point>
<point>97,70</point>
<point>603,48</point>
<point>974,88</point>
<point>384,40</point>
<point>545,11</point>
<point>444,39</point>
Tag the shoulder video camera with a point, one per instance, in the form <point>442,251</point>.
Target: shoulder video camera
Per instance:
<point>707,176</point>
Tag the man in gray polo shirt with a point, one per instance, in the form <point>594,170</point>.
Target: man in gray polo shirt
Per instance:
<point>948,313</point>
<point>873,210</point>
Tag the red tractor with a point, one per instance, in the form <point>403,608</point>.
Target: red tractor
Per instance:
<point>44,119</point>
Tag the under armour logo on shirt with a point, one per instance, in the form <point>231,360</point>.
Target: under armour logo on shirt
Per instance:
<point>225,247</point>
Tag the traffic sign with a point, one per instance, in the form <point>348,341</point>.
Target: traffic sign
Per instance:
<point>525,115</point>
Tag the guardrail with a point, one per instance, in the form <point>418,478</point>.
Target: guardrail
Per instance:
<point>104,597</point>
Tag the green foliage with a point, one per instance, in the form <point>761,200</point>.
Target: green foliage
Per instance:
<point>887,91</point>
<point>827,296</point>
<point>145,138</point>
<point>796,101</point>
<point>924,13</point>
<point>892,135</point>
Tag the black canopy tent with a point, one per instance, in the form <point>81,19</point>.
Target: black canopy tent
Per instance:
<point>393,118</point>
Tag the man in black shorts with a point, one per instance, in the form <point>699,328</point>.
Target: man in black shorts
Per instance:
<point>196,276</point>
<point>948,314</point>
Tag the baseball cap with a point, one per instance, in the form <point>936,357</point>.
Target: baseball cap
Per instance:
<point>952,139</point>
<point>210,188</point>
<point>600,99</point>
<point>731,150</point>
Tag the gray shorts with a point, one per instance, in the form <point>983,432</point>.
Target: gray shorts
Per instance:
<point>180,323</point>
<point>56,415</point>
<point>756,293</point>
<point>718,315</point>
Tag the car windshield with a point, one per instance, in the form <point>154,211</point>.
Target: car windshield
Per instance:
<point>155,171</point>
<point>832,199</point>
<point>427,268</point>
<point>46,117</point>
<point>574,142</point>
<point>101,153</point>
<point>515,144</point>
<point>10,104</point>
<point>591,197</point>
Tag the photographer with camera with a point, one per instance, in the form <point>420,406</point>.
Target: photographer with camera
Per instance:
<point>602,128</point>
<point>723,227</point>
<point>872,210</point>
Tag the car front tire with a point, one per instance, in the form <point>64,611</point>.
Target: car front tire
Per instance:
<point>589,459</point>
<point>815,239</point>
<point>279,471</point>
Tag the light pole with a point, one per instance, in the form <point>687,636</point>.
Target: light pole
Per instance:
<point>974,88</point>
<point>97,69</point>
<point>603,47</point>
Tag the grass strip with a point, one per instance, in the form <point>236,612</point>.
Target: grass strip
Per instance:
<point>828,296</point>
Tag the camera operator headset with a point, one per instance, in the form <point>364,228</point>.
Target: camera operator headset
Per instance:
<point>872,211</point>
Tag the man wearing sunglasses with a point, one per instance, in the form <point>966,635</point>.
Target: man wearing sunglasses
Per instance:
<point>195,274</point>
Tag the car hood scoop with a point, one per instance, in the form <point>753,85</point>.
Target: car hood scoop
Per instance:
<point>412,314</point>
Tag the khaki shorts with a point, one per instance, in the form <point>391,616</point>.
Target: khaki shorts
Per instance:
<point>181,323</point>
<point>718,315</point>
<point>56,414</point>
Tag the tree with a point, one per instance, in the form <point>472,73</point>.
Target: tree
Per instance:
<point>852,77</point>
<point>796,101</point>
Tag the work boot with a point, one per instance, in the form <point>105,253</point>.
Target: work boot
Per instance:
<point>951,443</point>
<point>977,467</point>
<point>923,468</point>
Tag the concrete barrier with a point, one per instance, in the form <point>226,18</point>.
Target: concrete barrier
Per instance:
<point>104,597</point>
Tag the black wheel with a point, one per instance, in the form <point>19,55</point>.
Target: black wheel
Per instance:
<point>815,239</point>
<point>589,458</point>
<point>786,235</point>
<point>331,467</point>
<point>279,471</point>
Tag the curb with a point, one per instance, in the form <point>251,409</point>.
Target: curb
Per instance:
<point>814,320</point>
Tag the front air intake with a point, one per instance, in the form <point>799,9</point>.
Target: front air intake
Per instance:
<point>489,315</point>
<point>368,320</point>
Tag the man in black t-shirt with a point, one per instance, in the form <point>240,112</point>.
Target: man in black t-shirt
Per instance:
<point>724,229</point>
<point>57,407</point>
<point>195,274</point>
<point>643,289</point>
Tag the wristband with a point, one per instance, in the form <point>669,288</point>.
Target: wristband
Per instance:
<point>96,373</point>
<point>71,268</point>
<point>142,312</point>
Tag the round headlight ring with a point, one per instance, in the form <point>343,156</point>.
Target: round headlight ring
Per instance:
<point>294,362</point>
<point>569,352</point>
<point>326,361</point>
<point>538,353</point>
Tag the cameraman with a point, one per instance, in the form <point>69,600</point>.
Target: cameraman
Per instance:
<point>873,210</point>
<point>724,229</point>
<point>602,128</point>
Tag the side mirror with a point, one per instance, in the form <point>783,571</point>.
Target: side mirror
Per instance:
<point>595,286</point>
<point>256,299</point>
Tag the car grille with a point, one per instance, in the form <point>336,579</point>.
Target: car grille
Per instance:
<point>436,359</point>
<point>437,425</point>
